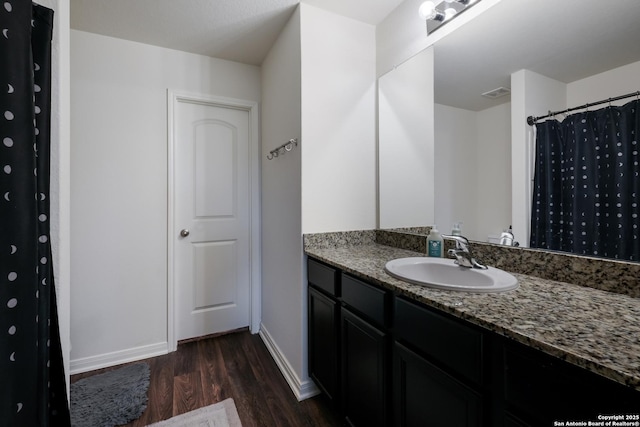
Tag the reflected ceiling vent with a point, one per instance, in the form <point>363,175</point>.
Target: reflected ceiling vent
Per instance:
<point>497,93</point>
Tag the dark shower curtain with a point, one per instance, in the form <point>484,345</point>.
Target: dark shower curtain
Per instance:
<point>32,379</point>
<point>586,194</point>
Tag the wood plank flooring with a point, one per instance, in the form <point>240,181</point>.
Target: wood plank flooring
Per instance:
<point>235,365</point>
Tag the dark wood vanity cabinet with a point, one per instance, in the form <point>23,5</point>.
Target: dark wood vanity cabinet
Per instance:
<point>539,390</point>
<point>387,360</point>
<point>438,369</point>
<point>425,395</point>
<point>364,371</point>
<point>324,324</point>
<point>324,315</point>
<point>365,353</point>
<point>349,345</point>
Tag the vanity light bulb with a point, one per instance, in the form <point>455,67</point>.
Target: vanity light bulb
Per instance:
<point>449,12</point>
<point>427,10</point>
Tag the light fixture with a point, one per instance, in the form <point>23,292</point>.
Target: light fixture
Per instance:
<point>446,10</point>
<point>428,11</point>
<point>449,12</point>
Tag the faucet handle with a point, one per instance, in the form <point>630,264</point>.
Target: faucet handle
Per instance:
<point>463,241</point>
<point>462,253</point>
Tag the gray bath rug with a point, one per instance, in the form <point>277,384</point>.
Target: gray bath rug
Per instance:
<point>110,399</point>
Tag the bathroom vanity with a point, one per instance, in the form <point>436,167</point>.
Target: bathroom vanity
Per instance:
<point>390,353</point>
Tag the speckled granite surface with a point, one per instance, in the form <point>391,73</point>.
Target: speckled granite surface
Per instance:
<point>605,274</point>
<point>591,328</point>
<point>410,241</point>
<point>339,239</point>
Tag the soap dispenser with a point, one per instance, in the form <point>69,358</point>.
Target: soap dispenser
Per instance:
<point>456,230</point>
<point>506,238</point>
<point>434,243</point>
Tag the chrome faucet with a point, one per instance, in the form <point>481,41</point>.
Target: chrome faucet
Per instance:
<point>462,253</point>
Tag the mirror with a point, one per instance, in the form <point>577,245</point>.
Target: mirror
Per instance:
<point>552,55</point>
<point>405,148</point>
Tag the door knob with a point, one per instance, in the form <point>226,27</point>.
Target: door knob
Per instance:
<point>184,232</point>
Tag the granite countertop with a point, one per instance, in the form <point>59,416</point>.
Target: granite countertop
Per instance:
<point>591,328</point>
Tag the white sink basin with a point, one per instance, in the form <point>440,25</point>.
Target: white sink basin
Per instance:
<point>442,273</point>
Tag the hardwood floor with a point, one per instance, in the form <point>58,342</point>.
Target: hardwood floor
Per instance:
<point>236,365</point>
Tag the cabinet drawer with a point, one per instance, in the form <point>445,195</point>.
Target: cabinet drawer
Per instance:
<point>323,277</point>
<point>367,299</point>
<point>447,341</point>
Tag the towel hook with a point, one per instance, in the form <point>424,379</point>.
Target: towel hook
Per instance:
<point>282,149</point>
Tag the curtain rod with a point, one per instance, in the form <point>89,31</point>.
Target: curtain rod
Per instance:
<point>531,120</point>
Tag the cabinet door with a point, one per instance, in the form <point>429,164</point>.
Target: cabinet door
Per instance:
<point>424,395</point>
<point>449,342</point>
<point>542,389</point>
<point>513,421</point>
<point>364,372</point>
<point>323,342</point>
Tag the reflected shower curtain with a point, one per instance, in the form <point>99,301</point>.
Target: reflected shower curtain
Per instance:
<point>586,190</point>
<point>32,389</point>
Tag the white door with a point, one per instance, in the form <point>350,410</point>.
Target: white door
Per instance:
<point>211,218</point>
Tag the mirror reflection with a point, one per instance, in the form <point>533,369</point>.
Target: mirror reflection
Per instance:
<point>527,57</point>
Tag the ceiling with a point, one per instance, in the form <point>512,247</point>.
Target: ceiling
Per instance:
<point>563,39</point>
<point>236,30</point>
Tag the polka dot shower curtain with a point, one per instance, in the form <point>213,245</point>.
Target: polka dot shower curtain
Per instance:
<point>586,191</point>
<point>32,380</point>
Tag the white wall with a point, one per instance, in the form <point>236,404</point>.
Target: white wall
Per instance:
<point>318,86</point>
<point>493,182</point>
<point>400,36</point>
<point>283,295</point>
<point>612,83</point>
<point>456,153</point>
<point>119,188</point>
<point>473,170</point>
<point>338,143</point>
<point>405,144</point>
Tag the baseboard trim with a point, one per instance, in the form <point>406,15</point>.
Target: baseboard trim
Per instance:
<point>106,360</point>
<point>301,389</point>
